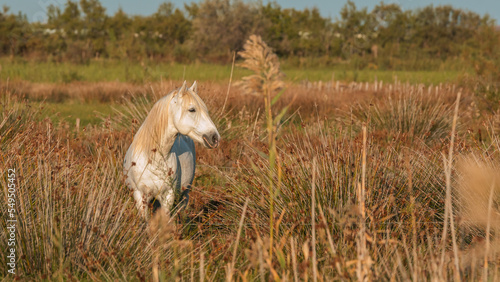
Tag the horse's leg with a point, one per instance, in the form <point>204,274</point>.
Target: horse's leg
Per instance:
<point>185,196</point>
<point>167,201</point>
<point>140,203</point>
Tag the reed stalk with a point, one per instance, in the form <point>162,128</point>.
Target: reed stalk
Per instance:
<point>266,83</point>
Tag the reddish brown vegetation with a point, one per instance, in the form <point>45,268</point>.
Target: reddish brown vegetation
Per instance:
<point>78,218</point>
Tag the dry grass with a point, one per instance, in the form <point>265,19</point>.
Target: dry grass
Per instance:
<point>479,175</point>
<point>77,220</point>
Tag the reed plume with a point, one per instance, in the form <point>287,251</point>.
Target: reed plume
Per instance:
<point>259,58</point>
<point>265,82</point>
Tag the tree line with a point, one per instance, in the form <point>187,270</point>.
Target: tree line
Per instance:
<point>210,31</point>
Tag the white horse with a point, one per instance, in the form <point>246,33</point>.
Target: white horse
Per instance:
<point>161,158</point>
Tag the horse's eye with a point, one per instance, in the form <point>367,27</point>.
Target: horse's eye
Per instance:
<point>192,110</point>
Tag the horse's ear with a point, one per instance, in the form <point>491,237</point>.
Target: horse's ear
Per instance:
<point>182,89</point>
<point>194,87</point>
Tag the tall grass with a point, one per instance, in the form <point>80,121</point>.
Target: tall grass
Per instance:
<point>77,220</point>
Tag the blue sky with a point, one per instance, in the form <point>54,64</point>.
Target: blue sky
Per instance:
<point>36,9</point>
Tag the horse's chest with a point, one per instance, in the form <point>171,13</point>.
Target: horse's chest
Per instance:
<point>175,172</point>
<point>165,173</point>
<point>183,154</point>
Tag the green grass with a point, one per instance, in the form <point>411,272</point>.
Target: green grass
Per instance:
<point>123,71</point>
<point>107,70</point>
<point>69,111</point>
<point>326,74</point>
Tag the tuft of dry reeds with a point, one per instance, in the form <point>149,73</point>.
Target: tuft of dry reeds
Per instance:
<point>408,115</point>
<point>260,58</point>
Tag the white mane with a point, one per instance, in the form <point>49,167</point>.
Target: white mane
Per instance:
<point>149,136</point>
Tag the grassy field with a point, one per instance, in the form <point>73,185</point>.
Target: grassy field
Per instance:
<point>60,83</point>
<point>87,113</point>
<point>122,71</point>
<point>348,204</point>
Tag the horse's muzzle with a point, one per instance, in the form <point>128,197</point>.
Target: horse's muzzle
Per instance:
<point>211,140</point>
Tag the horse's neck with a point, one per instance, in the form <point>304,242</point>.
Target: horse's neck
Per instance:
<point>157,134</point>
<point>167,141</point>
<point>161,149</point>
<point>167,137</point>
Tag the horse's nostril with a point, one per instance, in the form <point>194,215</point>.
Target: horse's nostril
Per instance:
<point>211,141</point>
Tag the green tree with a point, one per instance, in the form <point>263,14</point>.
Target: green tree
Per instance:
<point>296,33</point>
<point>120,24</point>
<point>357,29</point>
<point>221,27</point>
<point>120,34</point>
<point>170,29</point>
<point>94,23</point>
<point>14,31</point>
<point>70,20</point>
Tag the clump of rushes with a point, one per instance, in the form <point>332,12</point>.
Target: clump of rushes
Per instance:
<point>267,83</point>
<point>409,115</point>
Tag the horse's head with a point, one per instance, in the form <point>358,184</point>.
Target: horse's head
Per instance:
<point>190,117</point>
